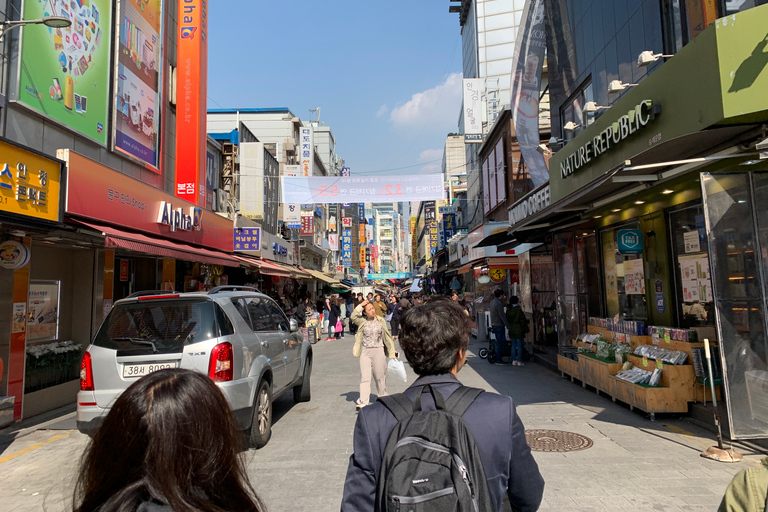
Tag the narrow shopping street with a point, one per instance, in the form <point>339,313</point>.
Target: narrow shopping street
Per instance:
<point>634,464</point>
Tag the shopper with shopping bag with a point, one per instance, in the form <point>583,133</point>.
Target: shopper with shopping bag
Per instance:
<point>335,329</point>
<point>373,346</point>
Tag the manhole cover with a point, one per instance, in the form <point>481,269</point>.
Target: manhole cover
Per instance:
<point>556,441</point>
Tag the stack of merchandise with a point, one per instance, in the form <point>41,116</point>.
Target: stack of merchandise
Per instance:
<point>668,333</point>
<point>635,375</point>
<point>621,350</point>
<point>632,327</point>
<point>570,352</point>
<point>661,354</point>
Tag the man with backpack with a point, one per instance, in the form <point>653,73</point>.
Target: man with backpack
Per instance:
<point>440,445</point>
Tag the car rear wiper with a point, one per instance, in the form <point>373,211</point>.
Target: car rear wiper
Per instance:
<point>138,341</point>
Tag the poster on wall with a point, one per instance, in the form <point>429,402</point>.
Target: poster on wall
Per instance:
<point>64,72</point>
<point>634,277</point>
<point>43,311</point>
<point>138,80</point>
<point>697,284</point>
<point>18,325</point>
<point>611,284</point>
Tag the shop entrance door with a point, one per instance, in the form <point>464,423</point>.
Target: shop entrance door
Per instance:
<point>737,228</point>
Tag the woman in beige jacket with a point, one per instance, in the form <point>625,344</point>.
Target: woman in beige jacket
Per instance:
<point>373,346</point>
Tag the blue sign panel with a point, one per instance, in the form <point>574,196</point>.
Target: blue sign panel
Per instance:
<point>361,211</point>
<point>661,304</point>
<point>630,241</point>
<point>247,239</point>
<point>393,275</point>
<point>449,226</point>
<point>346,247</point>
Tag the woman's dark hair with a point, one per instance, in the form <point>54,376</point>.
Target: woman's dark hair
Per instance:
<point>432,335</point>
<point>170,437</point>
<point>514,300</point>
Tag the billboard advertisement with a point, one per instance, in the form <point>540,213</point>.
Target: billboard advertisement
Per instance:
<point>138,81</point>
<point>367,189</point>
<point>191,98</point>
<point>64,72</point>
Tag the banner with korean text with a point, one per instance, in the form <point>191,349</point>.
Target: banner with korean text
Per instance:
<point>473,119</point>
<point>346,247</point>
<point>306,153</point>
<point>191,99</point>
<point>368,189</point>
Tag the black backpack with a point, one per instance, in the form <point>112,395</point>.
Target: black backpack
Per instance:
<point>431,461</point>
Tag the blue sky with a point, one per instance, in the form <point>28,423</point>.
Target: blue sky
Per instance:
<point>387,75</point>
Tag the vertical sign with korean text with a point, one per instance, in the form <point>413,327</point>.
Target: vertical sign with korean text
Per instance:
<point>473,119</point>
<point>346,247</point>
<point>306,150</point>
<point>333,229</point>
<point>307,223</point>
<point>449,226</point>
<point>292,211</point>
<point>191,97</point>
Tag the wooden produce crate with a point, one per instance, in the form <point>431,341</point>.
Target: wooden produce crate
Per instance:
<point>608,335</point>
<point>596,373</point>
<point>568,366</point>
<point>679,376</point>
<point>647,399</point>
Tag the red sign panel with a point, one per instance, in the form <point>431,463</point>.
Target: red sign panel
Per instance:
<point>124,270</point>
<point>191,100</point>
<point>307,224</point>
<point>99,193</point>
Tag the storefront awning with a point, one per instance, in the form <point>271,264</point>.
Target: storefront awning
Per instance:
<point>265,267</point>
<point>506,262</point>
<point>465,269</point>
<point>295,272</point>
<point>319,275</point>
<point>132,241</point>
<point>493,239</point>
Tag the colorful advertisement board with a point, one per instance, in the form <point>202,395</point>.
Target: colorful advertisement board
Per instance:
<point>138,81</point>
<point>64,72</point>
<point>191,99</point>
<point>43,311</point>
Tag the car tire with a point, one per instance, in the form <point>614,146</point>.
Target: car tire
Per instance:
<point>302,392</point>
<point>261,424</point>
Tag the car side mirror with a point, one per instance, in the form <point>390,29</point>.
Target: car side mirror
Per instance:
<point>294,325</point>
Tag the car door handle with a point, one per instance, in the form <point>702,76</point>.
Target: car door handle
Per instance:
<point>265,344</point>
<point>286,342</point>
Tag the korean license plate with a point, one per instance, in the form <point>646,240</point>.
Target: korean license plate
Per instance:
<point>139,370</point>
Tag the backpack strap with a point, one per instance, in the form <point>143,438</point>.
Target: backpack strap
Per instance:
<point>399,405</point>
<point>436,396</point>
<point>461,399</point>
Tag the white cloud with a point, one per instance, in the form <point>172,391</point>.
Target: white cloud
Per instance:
<point>438,106</point>
<point>383,110</point>
<point>433,168</point>
<point>429,155</point>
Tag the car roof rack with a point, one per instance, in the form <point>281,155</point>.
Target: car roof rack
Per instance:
<point>146,293</point>
<point>230,288</point>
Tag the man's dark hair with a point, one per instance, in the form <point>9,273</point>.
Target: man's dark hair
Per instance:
<point>432,335</point>
<point>514,300</point>
<point>497,293</point>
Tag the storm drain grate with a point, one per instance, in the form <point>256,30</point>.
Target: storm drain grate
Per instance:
<point>556,441</point>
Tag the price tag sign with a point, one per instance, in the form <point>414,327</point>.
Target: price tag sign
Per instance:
<point>645,362</point>
<point>667,338</point>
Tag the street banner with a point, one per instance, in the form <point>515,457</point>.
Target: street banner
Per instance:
<point>333,241</point>
<point>473,119</point>
<point>138,81</point>
<point>292,212</point>
<point>392,275</point>
<point>191,99</point>
<point>306,154</point>
<point>64,72</point>
<point>527,64</point>
<point>367,189</point>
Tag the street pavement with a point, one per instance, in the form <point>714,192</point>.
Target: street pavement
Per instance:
<point>635,464</point>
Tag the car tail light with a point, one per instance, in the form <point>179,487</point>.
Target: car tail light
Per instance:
<point>86,373</point>
<point>221,367</point>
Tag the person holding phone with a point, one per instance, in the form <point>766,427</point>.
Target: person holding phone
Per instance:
<point>373,346</point>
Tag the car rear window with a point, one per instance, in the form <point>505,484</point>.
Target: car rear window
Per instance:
<point>157,326</point>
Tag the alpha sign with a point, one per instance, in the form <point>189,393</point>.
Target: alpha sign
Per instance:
<point>529,206</point>
<point>178,219</point>
<point>612,136</point>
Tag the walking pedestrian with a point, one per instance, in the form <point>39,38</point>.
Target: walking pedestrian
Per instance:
<point>397,314</point>
<point>170,442</point>
<point>434,339</point>
<point>373,346</point>
<point>518,328</point>
<point>379,305</point>
<point>498,323</point>
<point>334,318</point>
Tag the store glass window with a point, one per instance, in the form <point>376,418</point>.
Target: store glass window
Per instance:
<point>624,277</point>
<point>573,111</point>
<point>693,285</point>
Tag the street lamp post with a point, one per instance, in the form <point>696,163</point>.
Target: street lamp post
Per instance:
<point>8,25</point>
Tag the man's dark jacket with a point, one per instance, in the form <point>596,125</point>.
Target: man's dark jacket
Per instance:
<point>499,435</point>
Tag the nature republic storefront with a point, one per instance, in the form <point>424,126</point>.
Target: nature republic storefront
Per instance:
<point>658,232</point>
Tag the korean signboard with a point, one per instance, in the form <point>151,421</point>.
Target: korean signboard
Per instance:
<point>449,225</point>
<point>292,211</point>
<point>29,183</point>
<point>247,239</point>
<point>382,189</point>
<point>346,247</point>
<point>138,81</point>
<point>191,97</point>
<point>306,154</point>
<point>307,223</point>
<point>473,119</point>
<point>65,71</point>
<point>345,171</point>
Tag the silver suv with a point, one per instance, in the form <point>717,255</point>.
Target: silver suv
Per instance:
<point>237,336</point>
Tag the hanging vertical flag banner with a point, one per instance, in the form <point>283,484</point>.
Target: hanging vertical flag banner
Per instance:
<point>191,99</point>
<point>333,234</point>
<point>473,119</point>
<point>307,152</point>
<point>292,211</point>
<point>527,65</point>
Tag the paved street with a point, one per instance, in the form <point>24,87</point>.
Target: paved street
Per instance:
<point>635,464</point>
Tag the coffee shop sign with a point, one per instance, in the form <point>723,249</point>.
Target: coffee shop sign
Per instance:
<point>529,206</point>
<point>613,135</point>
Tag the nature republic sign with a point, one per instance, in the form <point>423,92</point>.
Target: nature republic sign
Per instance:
<point>613,135</point>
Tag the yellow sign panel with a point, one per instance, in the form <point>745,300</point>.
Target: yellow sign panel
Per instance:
<point>29,183</point>
<point>498,275</point>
